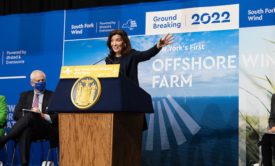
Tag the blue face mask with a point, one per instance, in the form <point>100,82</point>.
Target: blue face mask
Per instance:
<point>40,86</point>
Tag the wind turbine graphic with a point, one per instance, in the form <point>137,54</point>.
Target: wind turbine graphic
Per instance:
<point>188,121</point>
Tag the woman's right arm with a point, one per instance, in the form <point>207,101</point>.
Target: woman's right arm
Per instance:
<point>148,54</point>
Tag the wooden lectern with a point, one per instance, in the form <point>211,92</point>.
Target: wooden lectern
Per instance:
<point>107,134</point>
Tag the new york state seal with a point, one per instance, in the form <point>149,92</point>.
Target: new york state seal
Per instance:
<point>85,92</point>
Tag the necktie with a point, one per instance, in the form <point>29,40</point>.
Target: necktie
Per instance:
<point>36,101</point>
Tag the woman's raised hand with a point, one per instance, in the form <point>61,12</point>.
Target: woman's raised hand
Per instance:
<point>166,40</point>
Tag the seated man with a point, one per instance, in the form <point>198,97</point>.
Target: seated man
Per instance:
<point>32,119</point>
<point>268,140</point>
<point>3,114</point>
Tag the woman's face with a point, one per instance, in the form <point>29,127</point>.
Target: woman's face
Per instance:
<point>117,44</point>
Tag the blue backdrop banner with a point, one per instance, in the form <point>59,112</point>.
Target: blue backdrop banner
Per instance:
<point>208,108</point>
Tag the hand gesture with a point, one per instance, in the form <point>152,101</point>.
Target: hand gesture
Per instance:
<point>272,130</point>
<point>166,40</point>
<point>35,109</point>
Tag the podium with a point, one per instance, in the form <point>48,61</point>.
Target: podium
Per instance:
<point>107,134</point>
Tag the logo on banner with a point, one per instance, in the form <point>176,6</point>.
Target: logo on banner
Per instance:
<point>130,24</point>
<point>107,26</point>
<point>99,71</point>
<point>85,92</point>
<point>67,70</point>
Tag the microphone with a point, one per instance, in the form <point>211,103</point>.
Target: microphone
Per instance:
<point>99,61</point>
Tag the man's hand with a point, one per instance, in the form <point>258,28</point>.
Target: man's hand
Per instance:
<point>35,109</point>
<point>272,130</point>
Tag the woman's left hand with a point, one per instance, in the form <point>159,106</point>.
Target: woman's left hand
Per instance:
<point>166,40</point>
<point>272,130</point>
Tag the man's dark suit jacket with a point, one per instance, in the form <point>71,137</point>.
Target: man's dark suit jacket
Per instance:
<point>271,120</point>
<point>268,140</point>
<point>25,102</point>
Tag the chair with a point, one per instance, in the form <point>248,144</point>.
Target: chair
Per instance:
<point>41,141</point>
<point>6,145</point>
